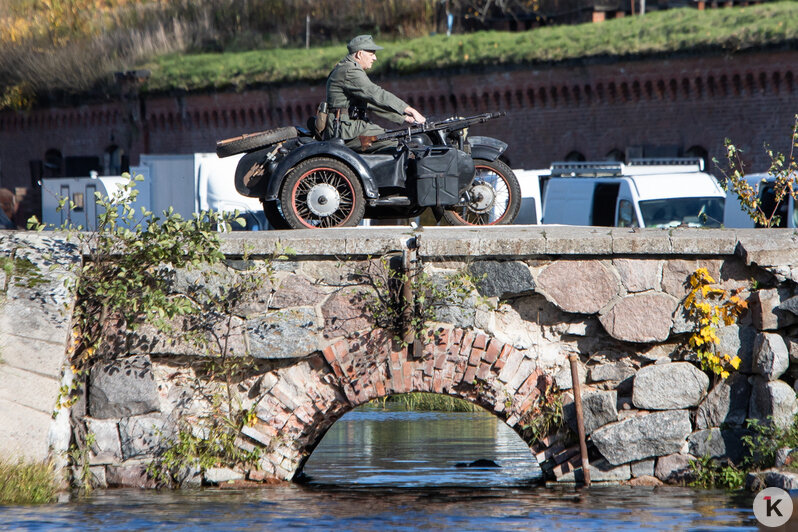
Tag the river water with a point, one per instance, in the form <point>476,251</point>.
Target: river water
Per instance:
<point>395,470</point>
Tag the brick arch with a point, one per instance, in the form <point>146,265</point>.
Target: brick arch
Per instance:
<point>625,93</point>
<point>699,87</point>
<point>588,93</point>
<point>776,81</point>
<point>542,96</point>
<point>304,400</point>
<point>686,88</point>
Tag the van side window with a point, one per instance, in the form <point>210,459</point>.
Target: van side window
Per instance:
<point>768,197</point>
<point>626,214</point>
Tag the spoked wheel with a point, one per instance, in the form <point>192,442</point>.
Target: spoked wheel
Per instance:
<point>322,192</point>
<point>274,214</point>
<point>494,197</point>
<point>253,141</point>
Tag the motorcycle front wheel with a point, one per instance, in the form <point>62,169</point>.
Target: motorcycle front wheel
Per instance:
<point>494,197</point>
<point>322,192</point>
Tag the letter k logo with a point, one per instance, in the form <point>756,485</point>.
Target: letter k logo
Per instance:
<point>772,507</point>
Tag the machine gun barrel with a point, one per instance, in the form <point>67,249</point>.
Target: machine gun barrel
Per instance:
<point>448,125</point>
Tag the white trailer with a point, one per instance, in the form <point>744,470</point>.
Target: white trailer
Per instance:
<point>189,184</point>
<point>80,208</point>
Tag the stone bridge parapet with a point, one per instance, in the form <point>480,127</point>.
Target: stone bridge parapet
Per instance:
<point>311,348</point>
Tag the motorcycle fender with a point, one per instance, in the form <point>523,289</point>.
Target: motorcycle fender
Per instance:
<point>486,148</point>
<point>332,149</point>
<point>253,173</point>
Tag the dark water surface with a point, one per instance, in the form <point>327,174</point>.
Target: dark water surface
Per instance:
<point>395,471</point>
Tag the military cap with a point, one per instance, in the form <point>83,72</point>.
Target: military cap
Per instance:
<point>362,42</point>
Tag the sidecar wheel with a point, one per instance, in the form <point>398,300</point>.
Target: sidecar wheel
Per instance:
<point>274,214</point>
<point>322,192</point>
<point>495,197</point>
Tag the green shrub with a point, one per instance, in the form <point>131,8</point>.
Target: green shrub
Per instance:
<point>711,473</point>
<point>26,483</point>
<point>767,438</point>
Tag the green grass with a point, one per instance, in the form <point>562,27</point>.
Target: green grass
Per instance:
<point>660,32</point>
<point>26,483</point>
<point>425,402</point>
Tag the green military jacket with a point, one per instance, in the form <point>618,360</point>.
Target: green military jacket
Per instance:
<point>348,86</point>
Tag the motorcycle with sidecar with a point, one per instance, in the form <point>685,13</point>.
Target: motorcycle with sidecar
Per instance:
<point>305,182</point>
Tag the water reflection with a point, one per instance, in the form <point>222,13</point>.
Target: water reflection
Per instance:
<point>293,507</point>
<point>417,449</point>
<point>395,471</point>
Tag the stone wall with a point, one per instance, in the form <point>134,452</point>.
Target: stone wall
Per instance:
<point>612,297</point>
<point>35,323</point>
<point>307,348</point>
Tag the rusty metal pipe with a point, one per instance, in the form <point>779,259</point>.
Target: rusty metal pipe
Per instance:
<point>580,422</point>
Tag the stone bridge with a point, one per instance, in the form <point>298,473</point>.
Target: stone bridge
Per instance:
<point>312,342</point>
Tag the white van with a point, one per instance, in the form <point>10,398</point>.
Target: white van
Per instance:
<point>531,205</point>
<point>641,193</point>
<point>733,215</point>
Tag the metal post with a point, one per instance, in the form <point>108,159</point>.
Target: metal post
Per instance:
<point>414,347</point>
<point>408,298</point>
<point>307,31</point>
<point>580,422</point>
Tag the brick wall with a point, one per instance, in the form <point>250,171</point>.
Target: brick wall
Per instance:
<point>592,108</point>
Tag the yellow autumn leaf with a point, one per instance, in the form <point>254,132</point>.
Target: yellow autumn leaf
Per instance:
<point>689,300</point>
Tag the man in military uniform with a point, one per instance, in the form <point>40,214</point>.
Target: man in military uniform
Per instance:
<point>351,95</point>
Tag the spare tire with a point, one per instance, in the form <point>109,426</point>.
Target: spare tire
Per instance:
<point>254,141</point>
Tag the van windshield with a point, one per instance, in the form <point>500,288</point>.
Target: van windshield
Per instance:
<point>692,212</point>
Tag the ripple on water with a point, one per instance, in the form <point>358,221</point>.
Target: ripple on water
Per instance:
<point>372,473</point>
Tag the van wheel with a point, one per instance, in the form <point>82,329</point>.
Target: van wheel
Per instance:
<point>254,141</point>
<point>494,197</point>
<point>274,214</point>
<point>322,192</point>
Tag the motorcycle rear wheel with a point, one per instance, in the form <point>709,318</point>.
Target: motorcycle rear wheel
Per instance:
<point>274,214</point>
<point>322,192</point>
<point>495,197</point>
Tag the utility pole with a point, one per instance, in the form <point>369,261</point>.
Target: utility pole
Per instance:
<point>307,31</point>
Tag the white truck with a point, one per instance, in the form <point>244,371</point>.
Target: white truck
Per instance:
<point>531,211</point>
<point>189,183</point>
<point>641,193</point>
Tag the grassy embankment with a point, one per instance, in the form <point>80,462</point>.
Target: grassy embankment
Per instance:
<point>425,402</point>
<point>46,54</point>
<point>661,32</point>
<point>26,483</point>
